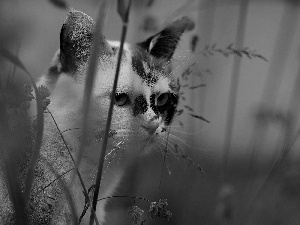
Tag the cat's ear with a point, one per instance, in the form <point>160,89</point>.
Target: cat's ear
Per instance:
<point>76,39</point>
<point>164,43</point>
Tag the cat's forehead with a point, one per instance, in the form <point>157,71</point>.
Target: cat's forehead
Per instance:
<point>139,73</point>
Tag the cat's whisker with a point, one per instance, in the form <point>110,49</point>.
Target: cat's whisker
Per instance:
<point>182,132</point>
<point>164,143</point>
<point>114,151</point>
<point>179,65</point>
<point>179,139</point>
<point>108,154</point>
<point>123,132</point>
<point>108,163</point>
<point>176,152</point>
<point>173,144</point>
<point>121,154</point>
<point>184,126</point>
<point>149,140</point>
<point>164,152</point>
<point>178,148</point>
<point>116,147</point>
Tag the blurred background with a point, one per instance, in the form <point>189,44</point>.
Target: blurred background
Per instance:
<point>244,57</point>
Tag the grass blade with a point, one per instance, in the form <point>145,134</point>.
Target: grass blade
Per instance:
<point>40,123</point>
<point>239,39</point>
<point>90,77</point>
<point>110,112</point>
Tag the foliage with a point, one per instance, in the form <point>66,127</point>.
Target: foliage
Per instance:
<point>231,50</point>
<point>159,210</point>
<point>135,214</point>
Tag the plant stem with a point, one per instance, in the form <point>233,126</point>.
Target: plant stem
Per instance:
<point>40,124</point>
<point>234,87</point>
<point>109,118</point>
<point>92,67</point>
<point>124,196</point>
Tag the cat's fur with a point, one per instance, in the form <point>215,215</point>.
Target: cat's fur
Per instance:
<point>145,106</point>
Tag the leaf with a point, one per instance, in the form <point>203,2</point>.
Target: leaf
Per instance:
<point>194,42</point>
<point>180,123</point>
<point>13,59</point>
<point>197,86</point>
<point>230,46</point>
<point>179,112</point>
<point>199,117</point>
<point>186,73</point>
<point>184,85</point>
<point>260,56</point>
<point>237,52</point>
<point>44,92</point>
<point>60,4</point>
<point>189,108</point>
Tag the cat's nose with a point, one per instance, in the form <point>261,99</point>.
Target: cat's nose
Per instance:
<point>150,128</point>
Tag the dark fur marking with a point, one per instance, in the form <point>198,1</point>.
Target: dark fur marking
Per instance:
<point>152,104</point>
<point>75,40</point>
<point>165,42</point>
<point>137,66</point>
<point>169,109</point>
<point>140,105</point>
<point>54,71</point>
<point>139,56</point>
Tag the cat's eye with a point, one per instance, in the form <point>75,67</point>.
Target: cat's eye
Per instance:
<point>121,99</point>
<point>162,99</point>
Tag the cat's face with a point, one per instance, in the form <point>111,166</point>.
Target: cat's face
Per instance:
<point>147,96</point>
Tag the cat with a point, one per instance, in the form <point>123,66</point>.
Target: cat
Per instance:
<point>144,107</point>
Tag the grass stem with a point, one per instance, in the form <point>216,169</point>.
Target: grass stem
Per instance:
<point>109,118</point>
<point>239,39</point>
<point>92,67</point>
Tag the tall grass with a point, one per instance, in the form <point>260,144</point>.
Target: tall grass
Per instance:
<point>19,199</point>
<point>237,203</point>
